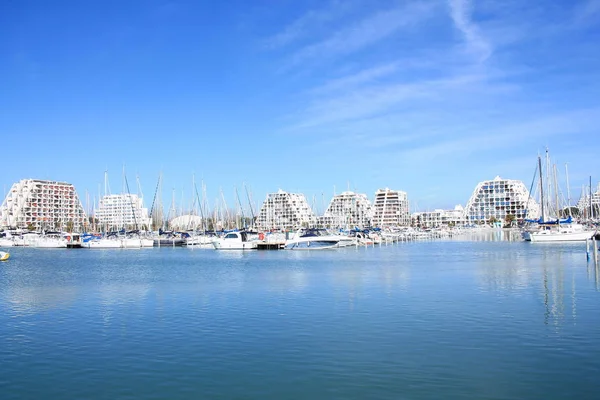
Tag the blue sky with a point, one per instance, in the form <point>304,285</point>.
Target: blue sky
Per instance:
<point>429,97</point>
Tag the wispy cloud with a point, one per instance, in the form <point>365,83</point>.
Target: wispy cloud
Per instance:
<point>476,44</point>
<point>308,22</point>
<point>365,76</point>
<point>374,99</point>
<point>587,11</point>
<point>368,31</point>
<point>508,135</point>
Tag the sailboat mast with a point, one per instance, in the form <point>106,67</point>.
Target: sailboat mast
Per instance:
<point>568,190</point>
<point>250,203</point>
<point>556,193</point>
<point>542,189</point>
<point>591,205</point>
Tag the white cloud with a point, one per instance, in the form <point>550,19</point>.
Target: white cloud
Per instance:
<point>365,76</point>
<point>372,100</point>
<point>309,21</point>
<point>370,30</point>
<point>482,139</point>
<point>476,44</point>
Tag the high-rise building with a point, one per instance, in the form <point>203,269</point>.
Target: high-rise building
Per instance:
<point>348,209</point>
<point>498,198</point>
<point>42,205</point>
<point>438,218</point>
<point>285,211</point>
<point>390,208</point>
<point>584,203</point>
<point>122,211</point>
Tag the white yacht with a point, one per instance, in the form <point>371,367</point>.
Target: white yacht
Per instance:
<point>6,240</point>
<point>106,242</point>
<point>200,241</point>
<point>50,240</point>
<point>559,232</point>
<point>236,241</point>
<point>313,239</point>
<point>27,239</point>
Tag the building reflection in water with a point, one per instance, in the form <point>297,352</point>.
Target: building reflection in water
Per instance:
<point>490,235</point>
<point>550,271</point>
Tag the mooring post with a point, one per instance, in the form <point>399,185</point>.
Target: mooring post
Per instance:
<point>587,249</point>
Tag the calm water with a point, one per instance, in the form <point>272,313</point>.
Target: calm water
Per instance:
<point>468,319</point>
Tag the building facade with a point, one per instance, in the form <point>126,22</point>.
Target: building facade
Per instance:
<point>390,208</point>
<point>440,218</point>
<point>583,204</point>
<point>285,211</point>
<point>39,205</point>
<point>122,211</point>
<point>496,199</point>
<point>348,210</point>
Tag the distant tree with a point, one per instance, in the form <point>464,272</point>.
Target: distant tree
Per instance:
<point>30,227</point>
<point>509,220</point>
<point>70,226</point>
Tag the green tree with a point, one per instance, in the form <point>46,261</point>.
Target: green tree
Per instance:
<point>509,220</point>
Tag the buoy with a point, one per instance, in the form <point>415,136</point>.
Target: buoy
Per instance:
<point>4,256</point>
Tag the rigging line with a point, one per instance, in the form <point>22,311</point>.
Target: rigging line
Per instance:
<point>131,203</point>
<point>530,190</point>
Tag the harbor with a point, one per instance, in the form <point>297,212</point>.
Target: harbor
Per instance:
<point>47,214</point>
<point>461,317</point>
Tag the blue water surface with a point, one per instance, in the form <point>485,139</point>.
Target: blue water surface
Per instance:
<point>467,318</point>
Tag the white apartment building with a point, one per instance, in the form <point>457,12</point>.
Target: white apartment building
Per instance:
<point>584,203</point>
<point>390,208</point>
<point>42,205</point>
<point>285,211</point>
<point>439,218</point>
<point>348,210</point>
<point>498,198</point>
<point>122,211</point>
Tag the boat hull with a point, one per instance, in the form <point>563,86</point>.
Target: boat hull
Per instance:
<point>103,244</point>
<point>224,245</point>
<point>311,244</point>
<point>557,236</point>
<point>6,243</point>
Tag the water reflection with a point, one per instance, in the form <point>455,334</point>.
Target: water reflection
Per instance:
<point>550,271</point>
<point>31,299</point>
<point>490,235</point>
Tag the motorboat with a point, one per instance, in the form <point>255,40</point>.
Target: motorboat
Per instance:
<point>312,239</point>
<point>4,256</point>
<point>201,241</point>
<point>236,241</point>
<point>50,240</point>
<point>6,239</point>
<point>7,242</point>
<point>99,242</point>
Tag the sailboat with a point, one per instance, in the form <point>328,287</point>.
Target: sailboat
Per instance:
<point>554,230</point>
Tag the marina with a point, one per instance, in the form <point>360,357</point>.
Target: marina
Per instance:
<point>307,200</point>
<point>466,316</point>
